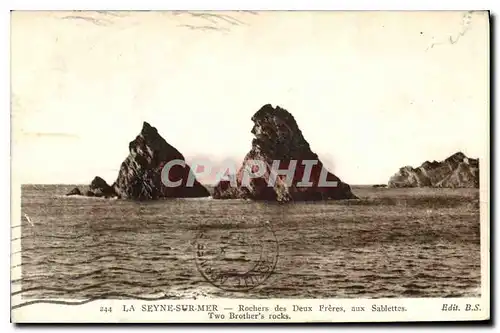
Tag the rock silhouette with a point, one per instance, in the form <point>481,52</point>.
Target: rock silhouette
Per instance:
<point>140,175</point>
<point>279,140</point>
<point>457,170</point>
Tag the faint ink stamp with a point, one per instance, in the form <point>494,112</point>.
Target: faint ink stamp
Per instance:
<point>236,259</point>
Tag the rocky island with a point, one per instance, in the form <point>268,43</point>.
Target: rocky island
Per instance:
<point>457,170</point>
<point>278,138</point>
<point>140,175</point>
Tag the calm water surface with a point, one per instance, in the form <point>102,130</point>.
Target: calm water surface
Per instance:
<point>80,248</point>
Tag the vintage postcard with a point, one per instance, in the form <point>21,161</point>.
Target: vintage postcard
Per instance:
<point>250,166</point>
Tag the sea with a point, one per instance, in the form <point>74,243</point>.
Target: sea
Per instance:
<point>413,243</point>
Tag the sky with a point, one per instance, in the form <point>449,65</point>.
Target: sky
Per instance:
<point>371,91</point>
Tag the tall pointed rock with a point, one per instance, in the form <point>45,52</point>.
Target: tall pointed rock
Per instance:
<point>279,140</point>
<point>140,175</point>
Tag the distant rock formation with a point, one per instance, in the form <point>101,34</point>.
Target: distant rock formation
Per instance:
<point>457,170</point>
<point>379,186</point>
<point>278,138</point>
<point>140,175</point>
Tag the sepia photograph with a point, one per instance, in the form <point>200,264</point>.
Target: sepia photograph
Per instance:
<point>248,157</point>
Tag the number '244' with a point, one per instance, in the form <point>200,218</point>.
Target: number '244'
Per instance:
<point>106,309</point>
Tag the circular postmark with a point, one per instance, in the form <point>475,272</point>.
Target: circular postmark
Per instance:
<point>236,258</point>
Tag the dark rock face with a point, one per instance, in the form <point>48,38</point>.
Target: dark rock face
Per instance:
<point>140,175</point>
<point>457,170</point>
<point>279,140</point>
<point>75,191</point>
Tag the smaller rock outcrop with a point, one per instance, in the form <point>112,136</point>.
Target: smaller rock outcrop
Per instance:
<point>455,171</point>
<point>99,188</point>
<point>227,189</point>
<point>75,191</point>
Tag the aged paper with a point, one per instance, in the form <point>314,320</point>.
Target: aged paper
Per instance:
<point>241,166</point>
